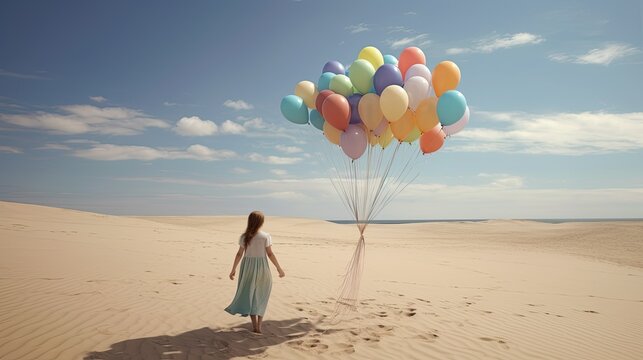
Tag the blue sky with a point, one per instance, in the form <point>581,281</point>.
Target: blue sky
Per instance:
<point>165,107</point>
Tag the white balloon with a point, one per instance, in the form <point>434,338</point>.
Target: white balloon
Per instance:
<point>457,126</point>
<point>418,70</point>
<point>417,88</point>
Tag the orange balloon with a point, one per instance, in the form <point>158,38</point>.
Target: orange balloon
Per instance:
<point>386,137</point>
<point>403,126</point>
<point>446,76</point>
<point>409,57</point>
<point>337,111</point>
<point>333,135</point>
<point>370,111</point>
<point>426,114</point>
<point>432,141</point>
<point>413,135</point>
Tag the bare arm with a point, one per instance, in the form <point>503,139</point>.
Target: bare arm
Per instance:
<point>273,258</point>
<point>237,259</point>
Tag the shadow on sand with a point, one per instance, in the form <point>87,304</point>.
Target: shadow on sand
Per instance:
<point>207,343</point>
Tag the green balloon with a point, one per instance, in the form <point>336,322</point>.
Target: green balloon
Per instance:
<point>361,75</point>
<point>342,85</point>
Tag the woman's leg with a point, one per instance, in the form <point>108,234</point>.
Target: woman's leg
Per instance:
<point>259,319</point>
<point>254,322</point>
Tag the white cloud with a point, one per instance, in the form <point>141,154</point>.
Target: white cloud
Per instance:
<point>289,149</point>
<point>361,27</point>
<point>279,172</point>
<point>556,133</point>
<point>194,126</point>
<point>81,119</point>
<point>410,13</point>
<point>169,103</point>
<point>402,29</point>
<point>254,123</point>
<point>237,104</point>
<point>12,74</point>
<point>110,152</point>
<point>10,149</point>
<point>98,99</point>
<point>240,170</point>
<point>494,43</point>
<point>417,40</point>
<point>598,56</point>
<point>54,147</point>
<point>274,160</point>
<point>231,127</point>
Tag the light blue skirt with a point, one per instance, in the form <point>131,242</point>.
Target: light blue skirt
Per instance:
<point>253,288</point>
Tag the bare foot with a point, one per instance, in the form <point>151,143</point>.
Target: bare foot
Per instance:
<point>256,331</point>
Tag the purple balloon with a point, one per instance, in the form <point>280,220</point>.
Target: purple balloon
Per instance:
<point>335,67</point>
<point>354,141</point>
<point>353,100</point>
<point>386,75</point>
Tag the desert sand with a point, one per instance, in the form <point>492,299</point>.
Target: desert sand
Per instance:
<point>78,285</point>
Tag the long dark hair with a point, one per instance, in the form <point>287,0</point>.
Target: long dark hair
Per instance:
<point>255,221</point>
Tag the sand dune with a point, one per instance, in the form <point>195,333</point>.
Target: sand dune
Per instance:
<point>77,285</point>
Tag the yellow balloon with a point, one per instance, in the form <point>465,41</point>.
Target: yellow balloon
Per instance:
<point>426,114</point>
<point>446,76</point>
<point>373,139</point>
<point>413,135</point>
<point>372,55</point>
<point>394,102</point>
<point>403,127</point>
<point>386,137</point>
<point>369,111</point>
<point>332,134</point>
<point>308,92</point>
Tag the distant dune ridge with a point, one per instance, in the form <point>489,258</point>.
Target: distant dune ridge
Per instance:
<point>78,285</point>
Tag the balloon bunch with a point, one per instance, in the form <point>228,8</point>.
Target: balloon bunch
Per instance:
<point>379,98</point>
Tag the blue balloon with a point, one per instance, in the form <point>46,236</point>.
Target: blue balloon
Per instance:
<point>316,119</point>
<point>386,75</point>
<point>324,81</point>
<point>294,109</point>
<point>353,100</point>
<point>334,67</point>
<point>390,59</point>
<point>451,107</point>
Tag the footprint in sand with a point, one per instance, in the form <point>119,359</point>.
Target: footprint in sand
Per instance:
<point>344,348</point>
<point>498,340</point>
<point>381,314</point>
<point>308,345</point>
<point>410,312</point>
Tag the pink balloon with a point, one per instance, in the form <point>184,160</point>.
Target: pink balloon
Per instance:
<point>381,127</point>
<point>458,125</point>
<point>354,141</point>
<point>418,70</point>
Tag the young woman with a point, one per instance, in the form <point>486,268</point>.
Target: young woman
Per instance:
<point>255,281</point>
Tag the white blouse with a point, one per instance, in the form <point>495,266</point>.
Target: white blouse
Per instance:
<point>258,244</point>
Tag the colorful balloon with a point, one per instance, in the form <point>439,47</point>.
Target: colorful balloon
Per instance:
<point>342,85</point>
<point>390,59</point>
<point>336,111</point>
<point>386,137</point>
<point>334,67</point>
<point>402,128</point>
<point>381,127</point>
<point>370,111</point>
<point>353,100</point>
<point>324,81</point>
<point>426,114</point>
<point>361,75</point>
<point>353,141</point>
<point>418,70</point>
<point>458,126</point>
<point>451,107</point>
<point>372,138</point>
<point>333,135</point>
<point>372,55</point>
<point>394,102</point>
<point>294,109</point>
<point>413,135</point>
<point>319,100</point>
<point>409,57</point>
<point>432,140</point>
<point>417,88</point>
<point>316,119</point>
<point>385,76</point>
<point>307,91</point>
<point>446,76</point>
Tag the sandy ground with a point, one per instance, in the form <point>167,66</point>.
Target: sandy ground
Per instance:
<point>77,285</point>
